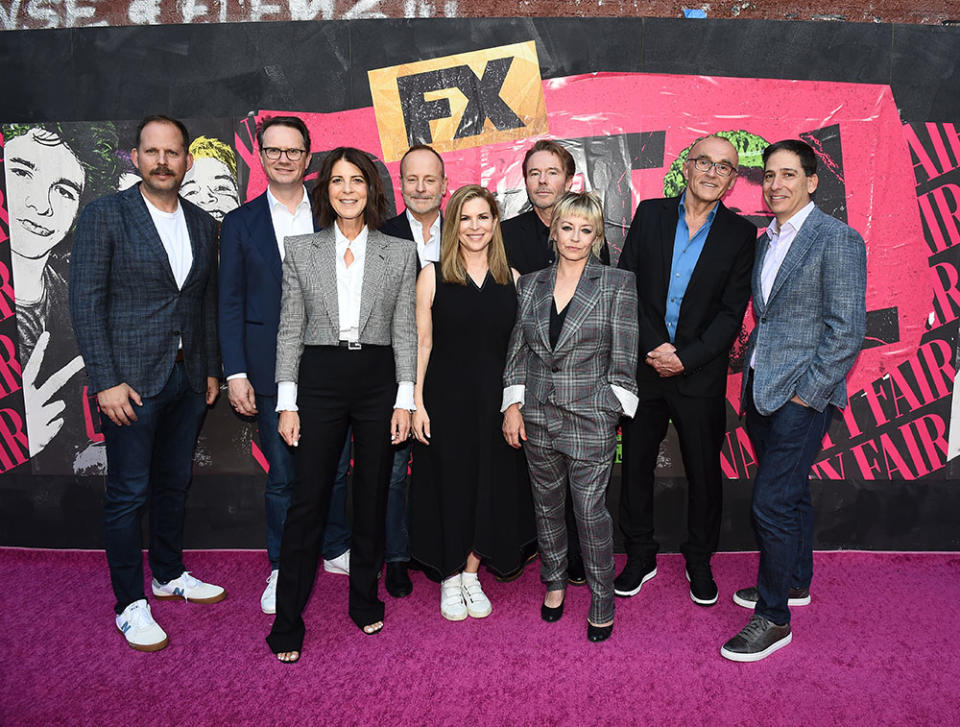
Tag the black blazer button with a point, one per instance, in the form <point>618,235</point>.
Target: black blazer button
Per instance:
<point>556,369</point>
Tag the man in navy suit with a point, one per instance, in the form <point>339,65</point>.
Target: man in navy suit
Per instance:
<point>423,184</point>
<point>143,298</point>
<point>251,253</point>
<point>692,257</point>
<point>809,288</point>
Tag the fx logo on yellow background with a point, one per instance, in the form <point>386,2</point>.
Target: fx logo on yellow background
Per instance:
<point>459,101</point>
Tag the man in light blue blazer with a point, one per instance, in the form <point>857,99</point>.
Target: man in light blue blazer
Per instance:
<point>251,255</point>
<point>809,283</point>
<point>143,298</point>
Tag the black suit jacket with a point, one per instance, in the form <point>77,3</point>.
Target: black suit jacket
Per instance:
<point>399,226</point>
<point>712,310</point>
<point>527,241</point>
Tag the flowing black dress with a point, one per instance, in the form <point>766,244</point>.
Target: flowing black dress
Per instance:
<point>470,489</point>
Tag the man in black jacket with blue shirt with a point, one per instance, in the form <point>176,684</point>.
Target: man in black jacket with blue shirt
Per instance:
<point>692,258</point>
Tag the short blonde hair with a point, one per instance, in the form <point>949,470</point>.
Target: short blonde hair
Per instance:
<point>580,204</point>
<point>207,147</point>
<point>452,269</point>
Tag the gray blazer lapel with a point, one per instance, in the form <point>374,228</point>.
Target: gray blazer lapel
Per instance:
<point>543,304</point>
<point>142,221</point>
<point>583,302</point>
<point>798,251</point>
<point>374,271</point>
<point>323,261</point>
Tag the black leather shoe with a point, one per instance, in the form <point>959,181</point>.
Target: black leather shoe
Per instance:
<point>703,589</point>
<point>757,640</point>
<point>598,633</point>
<point>551,613</point>
<point>748,597</point>
<point>634,574</point>
<point>398,580</point>
<point>575,573</point>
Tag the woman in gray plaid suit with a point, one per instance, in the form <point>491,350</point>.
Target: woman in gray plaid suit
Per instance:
<point>571,366</point>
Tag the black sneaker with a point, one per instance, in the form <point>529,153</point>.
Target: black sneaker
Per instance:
<point>757,640</point>
<point>703,589</point>
<point>575,573</point>
<point>634,574</point>
<point>748,597</point>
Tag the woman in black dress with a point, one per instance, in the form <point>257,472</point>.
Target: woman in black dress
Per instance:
<point>470,498</point>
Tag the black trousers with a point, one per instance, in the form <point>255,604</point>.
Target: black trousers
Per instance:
<point>337,388</point>
<point>700,424</point>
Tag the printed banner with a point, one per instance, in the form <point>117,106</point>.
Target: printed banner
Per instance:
<point>898,185</point>
<point>459,101</point>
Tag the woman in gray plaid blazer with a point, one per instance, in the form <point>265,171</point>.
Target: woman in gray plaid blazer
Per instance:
<point>571,365</point>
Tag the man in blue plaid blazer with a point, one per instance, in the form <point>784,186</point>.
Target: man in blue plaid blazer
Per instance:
<point>143,298</point>
<point>809,287</point>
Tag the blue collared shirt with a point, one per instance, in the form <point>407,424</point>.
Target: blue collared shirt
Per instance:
<point>686,252</point>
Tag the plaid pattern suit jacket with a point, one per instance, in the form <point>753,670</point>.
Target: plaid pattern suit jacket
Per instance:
<point>128,313</point>
<point>310,310</point>
<point>810,330</point>
<point>597,348</point>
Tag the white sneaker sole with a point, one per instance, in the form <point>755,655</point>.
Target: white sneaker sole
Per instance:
<point>753,604</point>
<point>335,569</point>
<point>267,610</point>
<point>453,616</point>
<point>635,591</point>
<point>480,614</point>
<point>745,658</point>
<point>144,647</point>
<point>173,597</point>
<point>701,601</point>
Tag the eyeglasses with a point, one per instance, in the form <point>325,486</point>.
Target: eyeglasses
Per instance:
<point>724,169</point>
<point>273,153</point>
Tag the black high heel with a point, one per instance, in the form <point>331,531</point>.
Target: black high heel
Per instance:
<point>551,613</point>
<point>599,633</point>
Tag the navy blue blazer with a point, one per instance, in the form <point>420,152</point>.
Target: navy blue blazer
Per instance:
<point>250,287</point>
<point>128,313</point>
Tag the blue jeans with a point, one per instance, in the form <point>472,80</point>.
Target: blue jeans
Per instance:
<point>280,487</point>
<point>397,542</point>
<point>786,443</point>
<point>152,455</point>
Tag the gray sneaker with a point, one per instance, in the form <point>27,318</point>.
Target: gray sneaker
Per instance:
<point>757,640</point>
<point>748,597</point>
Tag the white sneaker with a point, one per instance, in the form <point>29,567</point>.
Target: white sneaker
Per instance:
<point>478,605</point>
<point>452,606</point>
<point>339,565</point>
<point>268,601</point>
<point>139,629</point>
<point>189,589</point>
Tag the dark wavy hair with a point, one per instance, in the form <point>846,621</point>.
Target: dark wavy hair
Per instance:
<point>376,210</point>
<point>93,144</point>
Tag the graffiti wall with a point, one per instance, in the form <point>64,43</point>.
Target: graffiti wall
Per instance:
<point>895,180</point>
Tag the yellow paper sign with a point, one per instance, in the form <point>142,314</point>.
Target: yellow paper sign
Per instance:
<point>459,101</point>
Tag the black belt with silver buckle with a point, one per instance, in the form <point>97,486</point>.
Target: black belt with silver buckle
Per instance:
<point>350,345</point>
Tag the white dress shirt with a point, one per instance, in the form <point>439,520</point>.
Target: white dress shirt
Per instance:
<point>349,288</point>
<point>428,252</point>
<point>172,229</point>
<point>781,237</point>
<point>285,225</point>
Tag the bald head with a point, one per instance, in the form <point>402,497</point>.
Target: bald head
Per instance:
<point>710,170</point>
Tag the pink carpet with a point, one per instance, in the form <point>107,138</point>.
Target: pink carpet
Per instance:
<point>878,646</point>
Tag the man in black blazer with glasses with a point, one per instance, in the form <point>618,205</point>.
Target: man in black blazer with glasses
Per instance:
<point>693,259</point>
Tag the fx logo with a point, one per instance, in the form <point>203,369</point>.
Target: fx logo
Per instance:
<point>460,101</point>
